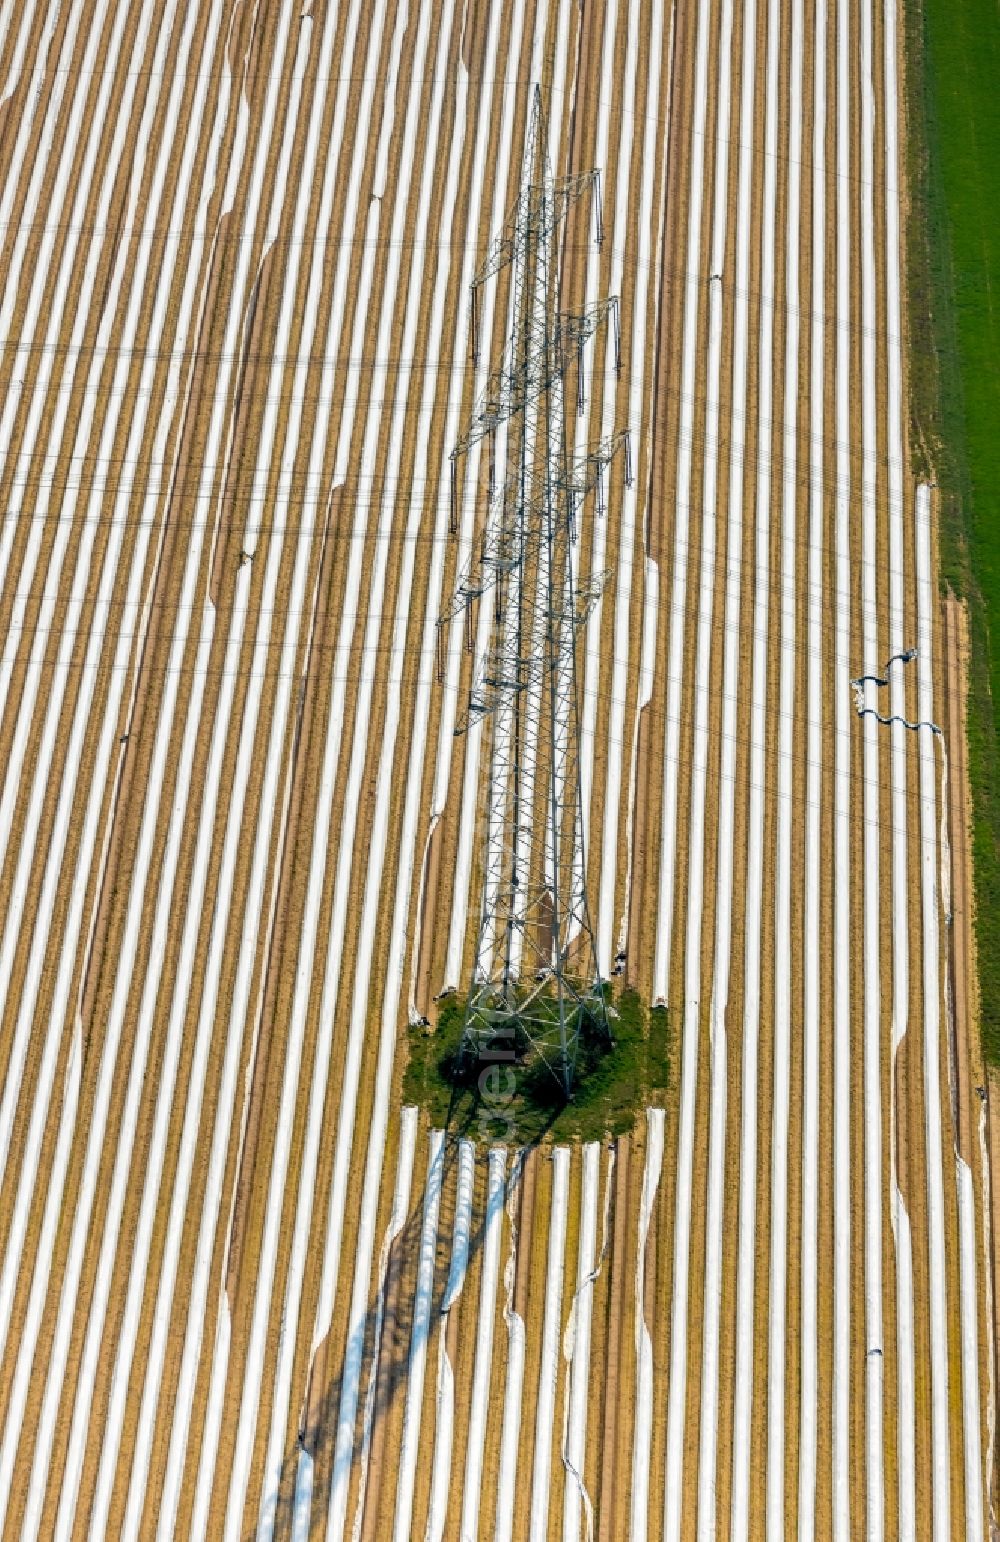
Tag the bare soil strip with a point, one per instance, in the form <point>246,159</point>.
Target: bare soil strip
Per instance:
<point>972,1088</point>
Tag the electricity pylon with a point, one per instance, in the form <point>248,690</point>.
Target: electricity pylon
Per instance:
<point>535,979</point>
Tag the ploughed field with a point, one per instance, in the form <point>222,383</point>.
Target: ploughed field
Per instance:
<point>242,1290</point>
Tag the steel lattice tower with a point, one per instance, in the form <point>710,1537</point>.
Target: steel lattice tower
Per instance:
<point>535,978</point>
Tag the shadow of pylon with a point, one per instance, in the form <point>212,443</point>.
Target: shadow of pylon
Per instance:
<point>314,1428</point>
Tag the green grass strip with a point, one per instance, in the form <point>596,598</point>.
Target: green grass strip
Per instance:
<point>953,253</point>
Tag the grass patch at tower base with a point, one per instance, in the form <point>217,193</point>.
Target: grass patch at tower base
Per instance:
<point>520,1102</point>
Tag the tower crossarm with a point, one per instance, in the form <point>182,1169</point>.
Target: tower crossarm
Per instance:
<point>590,467</point>
<point>505,541</point>
<point>542,208</point>
<point>574,610</point>
<point>500,677</point>
<point>574,330</point>
<point>523,375</point>
<point>588,594</point>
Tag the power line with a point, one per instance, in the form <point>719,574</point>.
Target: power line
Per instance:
<point>684,719</point>
<point>671,275</point>
<point>688,551</point>
<point>691,608</point>
<point>192,485</point>
<point>614,106</point>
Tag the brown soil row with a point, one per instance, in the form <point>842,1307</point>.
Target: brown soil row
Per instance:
<point>993,1148</point>
<point>461,1343</point>
<point>615,1509</point>
<point>146,711</point>
<point>88,1067</point>
<point>439,900</point>
<point>427,1414</point>
<point>606,1474</point>
<point>624,150</point>
<point>962,972</point>
<point>498,1380</point>
<point>529,1303</point>
<point>357,896</point>
<point>829,1179</point>
<point>25,640</point>
<point>19,87</point>
<point>911,1150</point>
<point>152,661</point>
<point>630,814</point>
<point>684,795</point>
<point>392,1367</point>
<point>273,1077</point>
<point>558,1477</point>
<point>970,1085</point>
<point>355,902</point>
<point>113,913</point>
<point>858,805</point>
<point>330,1357</point>
<point>887,556</point>
<point>803,257</point>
